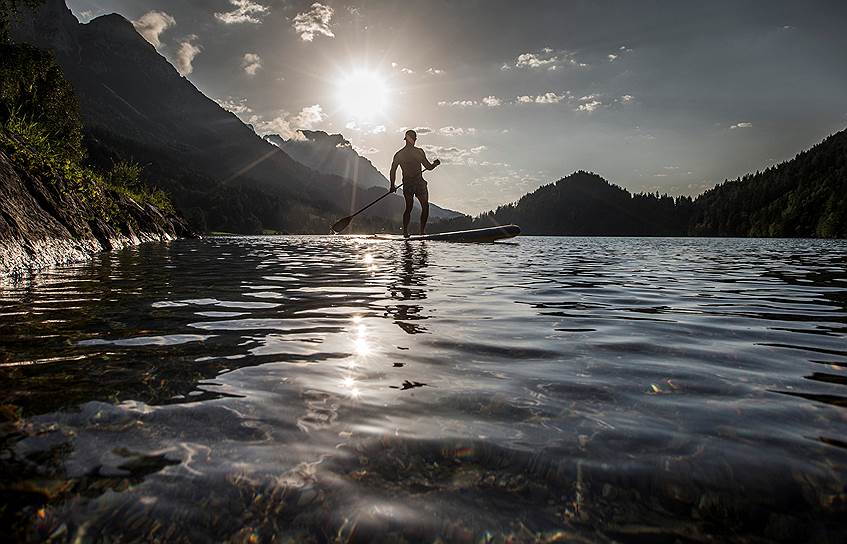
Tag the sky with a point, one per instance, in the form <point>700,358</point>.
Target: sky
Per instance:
<point>670,96</point>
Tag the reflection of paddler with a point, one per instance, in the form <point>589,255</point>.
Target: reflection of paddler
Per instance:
<point>410,286</point>
<point>412,161</point>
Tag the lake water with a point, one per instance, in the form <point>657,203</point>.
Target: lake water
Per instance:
<point>261,389</point>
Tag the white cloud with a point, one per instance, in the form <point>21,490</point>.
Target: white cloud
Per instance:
<point>434,71</point>
<point>545,58</point>
<point>546,98</point>
<point>743,124</point>
<point>313,22</point>
<point>246,11</point>
<point>419,130</point>
<point>251,63</point>
<point>590,106</point>
<point>234,105</point>
<point>185,54</point>
<point>287,125</point>
<point>459,103</point>
<point>309,117</point>
<point>152,24</point>
<point>456,131</point>
<point>492,101</point>
<point>454,155</point>
<point>365,150</point>
<point>589,103</point>
<point>366,128</point>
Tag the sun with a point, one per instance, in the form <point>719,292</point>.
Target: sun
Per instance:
<point>363,94</point>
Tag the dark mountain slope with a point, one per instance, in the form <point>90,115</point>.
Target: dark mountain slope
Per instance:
<point>803,197</point>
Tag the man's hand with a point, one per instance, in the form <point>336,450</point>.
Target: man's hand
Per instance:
<point>393,188</point>
<point>436,162</point>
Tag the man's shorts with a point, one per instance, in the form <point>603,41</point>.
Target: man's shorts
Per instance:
<point>415,187</point>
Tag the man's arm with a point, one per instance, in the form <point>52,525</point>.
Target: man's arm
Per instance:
<point>425,162</point>
<point>394,164</point>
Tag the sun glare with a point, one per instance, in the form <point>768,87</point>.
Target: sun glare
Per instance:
<point>363,94</point>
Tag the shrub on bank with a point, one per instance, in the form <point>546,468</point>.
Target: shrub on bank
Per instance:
<point>42,133</point>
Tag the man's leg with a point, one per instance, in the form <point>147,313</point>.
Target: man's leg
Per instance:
<point>423,198</point>
<point>407,215</point>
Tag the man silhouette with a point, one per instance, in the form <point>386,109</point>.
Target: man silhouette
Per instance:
<point>410,159</point>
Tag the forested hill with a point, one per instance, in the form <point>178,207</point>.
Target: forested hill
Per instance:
<point>585,204</point>
<point>803,197</point>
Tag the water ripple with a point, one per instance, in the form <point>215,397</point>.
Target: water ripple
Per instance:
<point>604,389</point>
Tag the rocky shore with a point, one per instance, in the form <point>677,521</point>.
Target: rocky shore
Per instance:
<point>43,223</point>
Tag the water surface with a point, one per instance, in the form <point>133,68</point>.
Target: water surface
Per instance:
<point>337,388</point>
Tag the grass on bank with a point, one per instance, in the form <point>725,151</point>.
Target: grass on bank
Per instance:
<point>42,134</point>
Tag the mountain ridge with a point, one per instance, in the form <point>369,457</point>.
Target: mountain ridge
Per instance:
<point>803,197</point>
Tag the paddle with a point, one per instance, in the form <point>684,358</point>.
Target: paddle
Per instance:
<point>344,222</point>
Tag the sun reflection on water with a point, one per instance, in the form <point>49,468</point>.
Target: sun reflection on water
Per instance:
<point>360,353</point>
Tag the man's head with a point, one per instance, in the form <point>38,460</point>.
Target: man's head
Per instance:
<point>410,137</point>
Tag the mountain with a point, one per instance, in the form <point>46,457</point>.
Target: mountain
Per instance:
<point>333,154</point>
<point>804,197</point>
<point>136,106</point>
<point>585,204</point>
<point>330,154</point>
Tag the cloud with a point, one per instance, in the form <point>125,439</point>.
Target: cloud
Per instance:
<point>434,71</point>
<point>365,150</point>
<point>309,117</point>
<point>459,103</point>
<point>743,124</point>
<point>287,125</point>
<point>492,101</point>
<point>152,24</point>
<point>186,53</point>
<point>246,11</point>
<point>456,131</point>
<point>419,130</point>
<point>533,60</point>
<point>234,105</point>
<point>455,155</point>
<point>546,98</point>
<point>546,58</point>
<point>251,63</point>
<point>589,103</point>
<point>366,128</point>
<point>315,21</point>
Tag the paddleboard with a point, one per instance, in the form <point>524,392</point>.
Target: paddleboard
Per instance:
<point>489,234</point>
